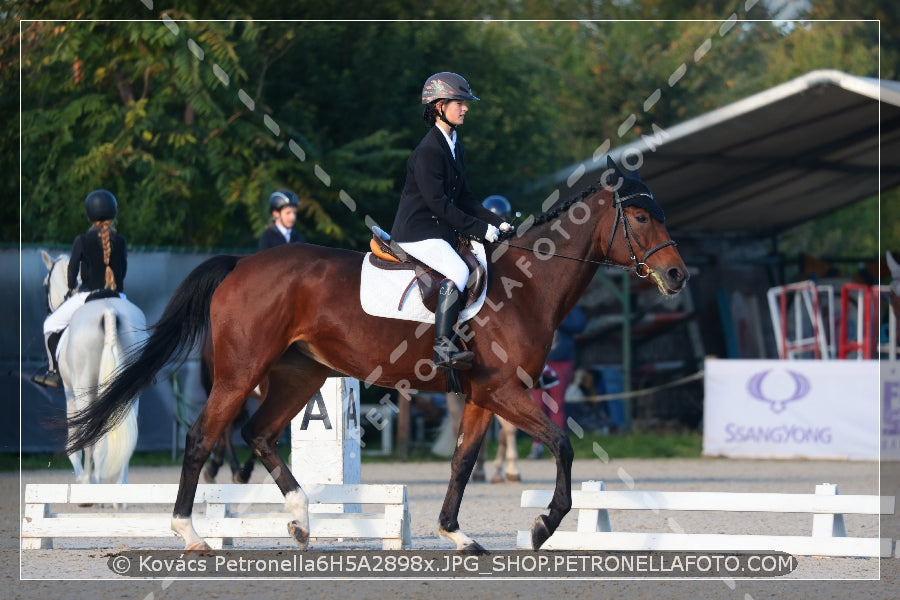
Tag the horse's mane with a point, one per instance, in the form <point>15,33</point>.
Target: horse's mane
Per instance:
<point>558,208</point>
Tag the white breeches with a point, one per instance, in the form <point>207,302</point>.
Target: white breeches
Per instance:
<point>440,256</point>
<point>59,319</point>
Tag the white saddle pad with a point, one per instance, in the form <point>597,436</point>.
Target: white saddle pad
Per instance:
<point>381,291</point>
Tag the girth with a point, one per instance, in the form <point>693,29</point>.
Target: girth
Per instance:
<point>387,254</point>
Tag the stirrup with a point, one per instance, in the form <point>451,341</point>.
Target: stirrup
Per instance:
<point>48,379</point>
<point>445,357</point>
<point>461,361</point>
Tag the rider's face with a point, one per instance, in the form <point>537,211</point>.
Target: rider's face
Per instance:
<point>454,111</point>
<point>287,216</point>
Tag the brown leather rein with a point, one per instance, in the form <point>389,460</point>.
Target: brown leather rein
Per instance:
<point>640,266</point>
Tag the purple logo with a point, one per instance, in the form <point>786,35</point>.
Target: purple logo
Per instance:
<point>801,389</point>
<point>890,408</point>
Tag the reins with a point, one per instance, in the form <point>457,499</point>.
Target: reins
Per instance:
<point>639,266</point>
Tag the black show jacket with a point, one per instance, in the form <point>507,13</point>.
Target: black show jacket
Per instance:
<point>436,201</point>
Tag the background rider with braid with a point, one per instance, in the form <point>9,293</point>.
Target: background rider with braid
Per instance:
<point>101,257</point>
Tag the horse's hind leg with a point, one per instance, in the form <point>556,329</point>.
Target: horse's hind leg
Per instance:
<point>291,385</point>
<point>232,455</point>
<point>218,412</point>
<point>472,427</point>
<point>215,462</point>
<point>243,475</point>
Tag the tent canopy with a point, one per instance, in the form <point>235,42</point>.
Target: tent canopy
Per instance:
<point>773,160</point>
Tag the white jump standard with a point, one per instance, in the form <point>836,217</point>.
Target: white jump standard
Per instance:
<point>829,535</point>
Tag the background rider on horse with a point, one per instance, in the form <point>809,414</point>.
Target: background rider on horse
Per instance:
<point>100,256</point>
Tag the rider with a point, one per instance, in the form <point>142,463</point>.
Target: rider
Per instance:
<point>436,206</point>
<point>283,205</point>
<point>100,255</point>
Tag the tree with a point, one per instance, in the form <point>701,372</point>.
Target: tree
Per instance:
<point>193,122</point>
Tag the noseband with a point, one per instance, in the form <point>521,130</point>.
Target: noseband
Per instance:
<point>640,266</point>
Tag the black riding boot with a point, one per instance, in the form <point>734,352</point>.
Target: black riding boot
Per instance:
<point>51,378</point>
<point>446,354</point>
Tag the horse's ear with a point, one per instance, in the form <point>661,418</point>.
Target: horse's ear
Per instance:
<point>893,265</point>
<point>611,164</point>
<point>46,258</point>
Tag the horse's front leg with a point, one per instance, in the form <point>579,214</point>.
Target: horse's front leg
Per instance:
<point>519,410</point>
<point>558,442</point>
<point>472,427</point>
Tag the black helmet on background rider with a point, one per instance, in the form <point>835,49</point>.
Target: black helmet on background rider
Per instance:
<point>498,205</point>
<point>101,205</point>
<point>282,198</point>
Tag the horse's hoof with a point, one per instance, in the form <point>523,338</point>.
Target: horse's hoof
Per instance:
<point>539,532</point>
<point>200,546</point>
<point>497,478</point>
<point>239,478</point>
<point>513,477</point>
<point>207,477</point>
<point>479,476</point>
<point>473,549</point>
<point>300,535</point>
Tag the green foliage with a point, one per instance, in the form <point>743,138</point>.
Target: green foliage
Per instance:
<point>193,122</point>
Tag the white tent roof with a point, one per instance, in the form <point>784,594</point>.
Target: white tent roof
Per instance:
<point>774,159</point>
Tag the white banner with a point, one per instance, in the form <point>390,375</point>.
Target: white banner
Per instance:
<point>792,409</point>
<point>890,410</point>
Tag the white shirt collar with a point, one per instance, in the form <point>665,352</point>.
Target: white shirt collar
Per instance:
<point>284,231</point>
<point>451,139</point>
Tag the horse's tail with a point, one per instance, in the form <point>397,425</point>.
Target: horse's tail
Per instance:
<point>182,323</point>
<point>113,451</point>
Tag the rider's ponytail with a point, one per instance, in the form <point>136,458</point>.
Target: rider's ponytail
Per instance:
<point>103,230</point>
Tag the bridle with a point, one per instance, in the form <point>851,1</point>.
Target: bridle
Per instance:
<point>628,232</point>
<point>47,281</point>
<point>640,266</point>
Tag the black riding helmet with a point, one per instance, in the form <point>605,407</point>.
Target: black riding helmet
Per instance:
<point>101,205</point>
<point>282,198</point>
<point>498,205</point>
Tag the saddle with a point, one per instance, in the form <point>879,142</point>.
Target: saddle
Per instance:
<point>387,254</point>
<point>102,295</point>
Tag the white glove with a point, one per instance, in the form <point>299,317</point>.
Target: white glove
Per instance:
<point>504,227</point>
<point>492,233</point>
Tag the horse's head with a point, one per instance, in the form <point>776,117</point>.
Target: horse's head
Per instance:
<point>637,235</point>
<point>56,280</point>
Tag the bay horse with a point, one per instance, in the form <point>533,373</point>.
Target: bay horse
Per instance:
<point>309,325</point>
<point>90,350</point>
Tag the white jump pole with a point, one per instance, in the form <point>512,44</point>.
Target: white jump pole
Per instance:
<point>325,439</point>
